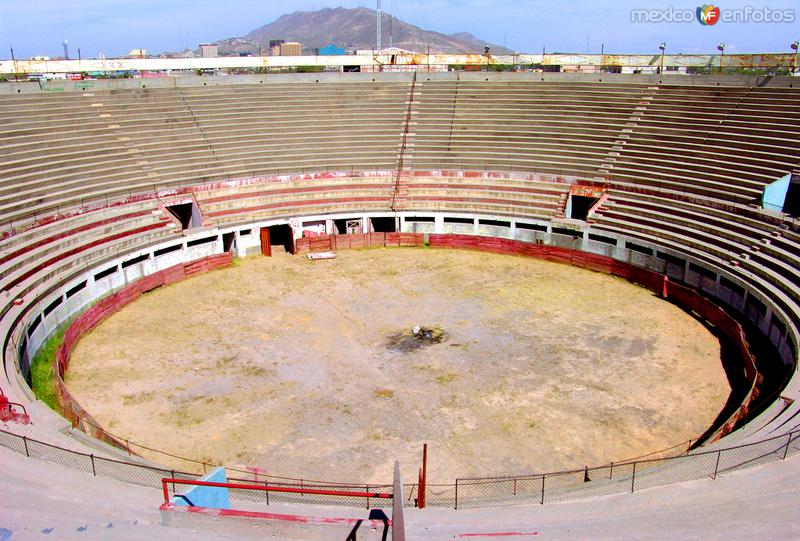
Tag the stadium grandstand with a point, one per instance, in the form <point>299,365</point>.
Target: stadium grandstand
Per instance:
<point>688,186</point>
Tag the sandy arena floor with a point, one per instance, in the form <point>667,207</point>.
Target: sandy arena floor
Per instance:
<point>283,363</point>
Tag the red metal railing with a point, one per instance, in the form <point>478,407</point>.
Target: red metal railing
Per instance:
<point>271,488</point>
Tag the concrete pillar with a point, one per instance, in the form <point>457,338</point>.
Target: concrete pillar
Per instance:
<point>438,224</point>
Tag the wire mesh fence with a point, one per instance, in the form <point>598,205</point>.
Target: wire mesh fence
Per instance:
<point>539,488</point>
<point>623,477</point>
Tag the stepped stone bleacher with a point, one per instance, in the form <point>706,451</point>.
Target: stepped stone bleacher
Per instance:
<point>86,176</point>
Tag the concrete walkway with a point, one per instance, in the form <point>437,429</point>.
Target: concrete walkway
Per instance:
<point>46,501</point>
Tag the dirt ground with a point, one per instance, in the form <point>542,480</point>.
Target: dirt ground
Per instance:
<point>283,363</point>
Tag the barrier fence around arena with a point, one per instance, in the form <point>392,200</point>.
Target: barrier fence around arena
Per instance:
<point>70,408</point>
<point>541,488</point>
<point>547,487</point>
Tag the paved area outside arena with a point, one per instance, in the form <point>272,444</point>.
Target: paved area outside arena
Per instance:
<point>46,501</point>
<point>286,364</point>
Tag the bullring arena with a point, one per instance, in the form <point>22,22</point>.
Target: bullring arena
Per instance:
<point>615,311</point>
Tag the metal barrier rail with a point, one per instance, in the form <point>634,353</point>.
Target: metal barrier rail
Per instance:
<point>615,478</point>
<point>270,488</point>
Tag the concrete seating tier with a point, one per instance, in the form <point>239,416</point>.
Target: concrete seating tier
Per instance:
<point>711,141</point>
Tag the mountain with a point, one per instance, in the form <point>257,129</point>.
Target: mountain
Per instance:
<point>352,29</point>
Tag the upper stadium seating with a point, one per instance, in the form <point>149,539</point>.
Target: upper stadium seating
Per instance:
<point>86,176</point>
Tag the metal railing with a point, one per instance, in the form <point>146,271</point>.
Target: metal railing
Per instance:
<point>614,478</point>
<point>472,492</point>
<point>244,490</point>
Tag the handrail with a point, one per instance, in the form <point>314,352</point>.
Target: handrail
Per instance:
<point>272,488</point>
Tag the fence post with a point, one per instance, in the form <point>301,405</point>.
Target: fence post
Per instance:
<point>173,484</point>
<point>611,471</point>
<point>456,493</point>
<point>94,471</point>
<point>515,486</point>
<point>543,476</point>
<point>367,496</point>
<point>633,477</point>
<point>786,449</point>
<point>266,484</point>
<point>716,467</point>
<point>25,442</point>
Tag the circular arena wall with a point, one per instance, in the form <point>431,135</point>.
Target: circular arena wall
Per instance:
<point>687,228</point>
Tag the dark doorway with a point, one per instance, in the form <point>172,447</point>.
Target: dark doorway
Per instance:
<point>580,206</point>
<point>791,204</point>
<point>281,236</point>
<point>348,226</point>
<point>228,242</point>
<point>384,225</point>
<point>187,214</point>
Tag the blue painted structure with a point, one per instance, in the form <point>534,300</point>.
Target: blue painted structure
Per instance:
<point>331,50</point>
<point>211,497</point>
<point>775,194</point>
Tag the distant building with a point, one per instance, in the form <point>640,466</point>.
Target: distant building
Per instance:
<point>138,53</point>
<point>291,48</point>
<point>275,46</point>
<point>331,50</point>
<point>209,50</point>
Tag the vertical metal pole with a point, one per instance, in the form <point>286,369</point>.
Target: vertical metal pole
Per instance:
<point>25,442</point>
<point>611,471</point>
<point>424,484</point>
<point>367,496</point>
<point>398,519</point>
<point>94,471</point>
<point>266,484</point>
<point>456,493</point>
<point>543,476</point>
<point>515,486</point>
<point>716,467</point>
<point>633,477</point>
<point>786,449</point>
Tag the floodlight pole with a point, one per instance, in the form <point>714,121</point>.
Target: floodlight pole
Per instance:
<point>796,47</point>
<point>663,48</point>
<point>721,49</point>
<point>378,41</point>
<point>14,63</point>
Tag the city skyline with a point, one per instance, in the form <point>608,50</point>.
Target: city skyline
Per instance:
<point>114,27</point>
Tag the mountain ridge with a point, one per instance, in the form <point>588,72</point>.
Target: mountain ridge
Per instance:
<point>352,29</point>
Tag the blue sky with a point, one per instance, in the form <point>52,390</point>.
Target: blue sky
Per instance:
<point>115,26</point>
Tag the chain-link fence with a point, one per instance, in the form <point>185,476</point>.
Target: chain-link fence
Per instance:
<point>464,493</point>
<point>151,476</point>
<point>617,478</point>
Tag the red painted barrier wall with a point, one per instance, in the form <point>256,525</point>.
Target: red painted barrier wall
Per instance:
<point>91,318</point>
<point>330,243</point>
<point>656,282</point>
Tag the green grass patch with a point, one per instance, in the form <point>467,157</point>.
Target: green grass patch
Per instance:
<point>42,371</point>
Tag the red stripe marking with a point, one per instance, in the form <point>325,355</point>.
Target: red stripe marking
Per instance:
<point>499,534</point>
<point>71,232</point>
<point>79,249</point>
<point>298,519</point>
